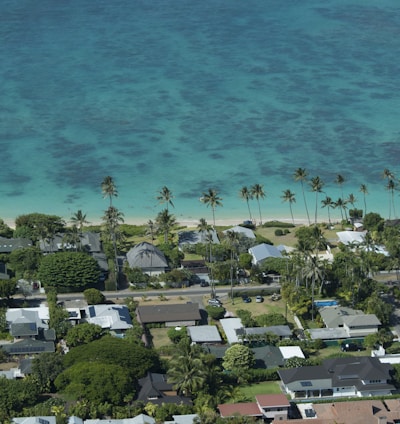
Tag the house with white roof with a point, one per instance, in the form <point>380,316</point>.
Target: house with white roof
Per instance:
<point>204,334</point>
<point>35,420</point>
<point>114,317</point>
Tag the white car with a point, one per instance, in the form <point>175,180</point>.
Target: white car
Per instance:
<point>259,299</point>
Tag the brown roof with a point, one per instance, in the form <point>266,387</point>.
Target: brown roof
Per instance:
<point>249,409</point>
<point>168,313</point>
<point>268,401</point>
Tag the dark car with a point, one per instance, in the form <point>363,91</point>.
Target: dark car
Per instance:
<point>246,299</point>
<point>203,283</point>
<point>350,347</point>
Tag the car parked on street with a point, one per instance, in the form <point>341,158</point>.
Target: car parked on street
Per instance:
<point>259,299</point>
<point>214,302</point>
<point>246,299</point>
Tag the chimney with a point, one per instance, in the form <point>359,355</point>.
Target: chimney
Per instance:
<point>382,420</point>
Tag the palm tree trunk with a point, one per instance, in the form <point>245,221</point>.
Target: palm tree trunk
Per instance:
<point>259,210</point>
<point>305,203</point>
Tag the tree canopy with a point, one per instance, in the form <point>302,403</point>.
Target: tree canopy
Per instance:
<point>68,270</point>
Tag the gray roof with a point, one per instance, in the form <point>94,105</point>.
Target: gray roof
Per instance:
<point>8,245</point>
<point>114,317</point>
<point>335,316</point>
<point>35,420</point>
<point>204,334</point>
<point>268,357</point>
<point>182,419</point>
<point>263,251</point>
<point>361,320</point>
<point>139,419</point>
<point>279,330</point>
<point>25,321</point>
<point>344,372</point>
<point>146,256</point>
<point>90,241</point>
<point>28,346</point>
<point>196,236</point>
<point>242,230</point>
<point>327,333</point>
<point>168,313</point>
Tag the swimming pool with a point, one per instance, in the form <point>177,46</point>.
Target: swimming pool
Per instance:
<point>322,303</point>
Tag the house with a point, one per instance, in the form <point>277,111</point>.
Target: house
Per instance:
<point>351,237</point>
<point>29,347</point>
<point>291,352</point>
<point>339,377</point>
<point>186,238</point>
<point>113,317</point>
<point>139,419</point>
<point>185,314</point>
<point>268,357</point>
<point>155,388</point>
<point>35,420</point>
<point>246,232</point>
<point>8,245</point>
<point>354,322</point>
<point>267,407</point>
<point>148,258</point>
<point>27,322</point>
<point>204,334</point>
<point>183,419</point>
<point>88,241</point>
<point>263,251</point>
<point>197,268</point>
<point>282,331</point>
<point>230,325</point>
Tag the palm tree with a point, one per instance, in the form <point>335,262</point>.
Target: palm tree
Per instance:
<point>341,204</point>
<point>257,191</point>
<point>212,199</point>
<point>79,219</point>
<point>151,229</point>
<point>316,186</point>
<point>112,218</point>
<point>340,181</point>
<point>313,272</point>
<point>165,221</point>
<point>328,203</point>
<point>109,188</point>
<point>364,191</point>
<point>165,196</point>
<point>301,175</point>
<point>290,197</point>
<point>245,194</point>
<point>391,186</point>
<point>233,240</point>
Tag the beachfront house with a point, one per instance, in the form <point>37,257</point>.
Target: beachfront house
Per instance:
<point>263,251</point>
<point>148,258</point>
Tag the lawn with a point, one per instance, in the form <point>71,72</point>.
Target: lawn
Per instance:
<point>160,337</point>
<point>263,388</point>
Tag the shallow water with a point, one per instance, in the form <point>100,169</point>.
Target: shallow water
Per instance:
<point>194,95</point>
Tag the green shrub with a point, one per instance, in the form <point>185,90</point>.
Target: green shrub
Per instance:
<point>278,224</point>
<point>278,232</point>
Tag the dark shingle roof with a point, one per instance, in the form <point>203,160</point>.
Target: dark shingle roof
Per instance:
<point>29,346</point>
<point>168,313</point>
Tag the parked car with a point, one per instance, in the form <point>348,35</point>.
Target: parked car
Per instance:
<point>214,302</point>
<point>203,283</point>
<point>259,299</point>
<point>350,347</point>
<point>246,299</point>
<point>276,296</point>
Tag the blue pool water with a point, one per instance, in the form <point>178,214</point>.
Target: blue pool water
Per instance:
<point>196,95</point>
<point>322,303</point>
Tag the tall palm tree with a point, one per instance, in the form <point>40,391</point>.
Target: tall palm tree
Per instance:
<point>340,180</point>
<point>364,191</point>
<point>151,227</point>
<point>301,175</point>
<point>165,222</point>
<point>257,191</point>
<point>232,239</point>
<point>391,187</point>
<point>108,188</point>
<point>211,199</point>
<point>341,204</point>
<point>328,203</point>
<point>166,196</point>
<point>389,175</point>
<point>316,186</point>
<point>112,218</point>
<point>78,220</point>
<point>289,197</point>
<point>313,272</point>
<point>246,195</point>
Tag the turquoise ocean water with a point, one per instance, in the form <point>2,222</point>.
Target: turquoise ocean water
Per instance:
<point>192,95</point>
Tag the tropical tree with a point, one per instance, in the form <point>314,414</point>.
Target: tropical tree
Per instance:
<point>301,175</point>
<point>314,272</point>
<point>364,191</point>
<point>112,219</point>
<point>289,197</point>
<point>258,193</point>
<point>238,359</point>
<point>341,204</point>
<point>211,199</point>
<point>340,180</point>
<point>165,222</point>
<point>390,177</point>
<point>391,186</point>
<point>328,203</point>
<point>232,239</point>
<point>79,219</point>
<point>246,195</point>
<point>165,196</point>
<point>108,188</point>
<point>316,186</point>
